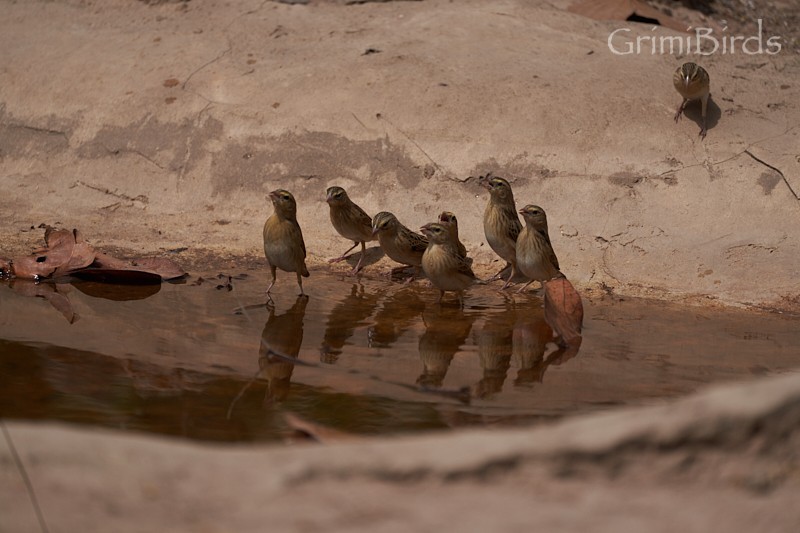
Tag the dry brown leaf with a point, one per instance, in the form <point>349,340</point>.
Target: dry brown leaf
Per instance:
<point>161,266</point>
<point>563,310</point>
<point>81,255</point>
<point>33,266</point>
<point>65,252</point>
<point>103,260</point>
<point>166,268</point>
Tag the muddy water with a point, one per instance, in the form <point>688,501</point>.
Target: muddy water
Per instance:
<point>211,359</point>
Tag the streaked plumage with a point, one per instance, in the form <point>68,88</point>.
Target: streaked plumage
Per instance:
<point>500,222</point>
<point>350,221</point>
<point>397,241</point>
<point>283,240</point>
<point>449,220</point>
<point>535,256</point>
<point>693,83</point>
<point>442,263</point>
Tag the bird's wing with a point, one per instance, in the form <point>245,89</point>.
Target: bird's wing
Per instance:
<point>514,226</point>
<point>418,242</point>
<point>464,267</point>
<point>300,234</point>
<point>363,217</point>
<point>551,254</point>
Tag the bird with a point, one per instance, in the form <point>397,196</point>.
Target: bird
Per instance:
<point>692,82</point>
<point>445,267</point>
<point>449,220</point>
<point>283,238</point>
<point>398,242</point>
<point>500,222</point>
<point>535,256</point>
<point>351,222</point>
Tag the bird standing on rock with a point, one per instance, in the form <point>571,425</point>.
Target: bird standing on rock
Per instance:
<point>693,83</point>
<point>397,241</point>
<point>351,222</point>
<point>535,256</point>
<point>283,239</point>
<point>500,222</point>
<point>445,267</point>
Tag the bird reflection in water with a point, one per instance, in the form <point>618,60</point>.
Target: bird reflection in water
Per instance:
<point>397,314</point>
<point>351,312</point>
<point>280,342</point>
<point>520,332</point>
<point>494,342</point>
<point>529,344</point>
<point>446,330</point>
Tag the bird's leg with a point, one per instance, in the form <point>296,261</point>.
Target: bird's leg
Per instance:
<point>344,255</point>
<point>680,110</point>
<point>704,103</point>
<point>510,276</point>
<point>300,283</point>
<point>360,259</point>
<point>274,277</point>
<point>526,286</point>
<point>417,272</point>
<point>499,274</point>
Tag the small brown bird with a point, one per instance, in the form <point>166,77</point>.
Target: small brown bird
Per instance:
<point>442,262</point>
<point>449,220</point>
<point>283,239</point>
<point>500,222</point>
<point>351,222</point>
<point>693,83</point>
<point>535,256</point>
<point>397,241</point>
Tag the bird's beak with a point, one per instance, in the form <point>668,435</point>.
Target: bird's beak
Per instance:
<point>273,195</point>
<point>686,81</point>
<point>374,230</point>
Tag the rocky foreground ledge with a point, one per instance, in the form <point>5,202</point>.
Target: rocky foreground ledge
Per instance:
<point>726,459</point>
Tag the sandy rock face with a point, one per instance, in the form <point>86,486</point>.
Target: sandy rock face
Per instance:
<point>164,126</point>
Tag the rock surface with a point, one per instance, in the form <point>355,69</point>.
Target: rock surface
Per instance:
<point>163,125</point>
<point>725,460</point>
<point>158,126</point>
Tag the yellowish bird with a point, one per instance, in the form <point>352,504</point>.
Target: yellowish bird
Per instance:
<point>351,222</point>
<point>692,82</point>
<point>500,222</point>
<point>535,256</point>
<point>397,241</point>
<point>283,240</point>
<point>442,262</point>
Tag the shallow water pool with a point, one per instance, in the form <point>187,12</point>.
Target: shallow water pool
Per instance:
<point>211,359</point>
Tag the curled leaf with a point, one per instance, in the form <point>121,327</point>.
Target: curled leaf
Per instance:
<point>165,268</point>
<point>65,252</point>
<point>563,310</point>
